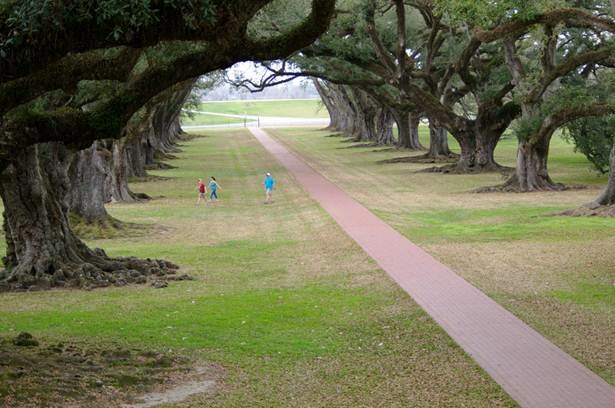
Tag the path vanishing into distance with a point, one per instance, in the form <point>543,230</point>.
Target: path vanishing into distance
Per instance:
<point>530,368</point>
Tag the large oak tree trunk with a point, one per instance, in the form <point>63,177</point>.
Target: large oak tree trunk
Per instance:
<point>467,157</point>
<point>604,204</point>
<point>438,142</point>
<point>486,142</point>
<point>122,170</point>
<point>42,250</point>
<point>329,103</point>
<point>607,198</point>
<point>90,181</point>
<point>384,127</point>
<point>532,172</point>
<point>477,153</point>
<point>408,130</point>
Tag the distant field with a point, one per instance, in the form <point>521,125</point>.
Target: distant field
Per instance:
<point>292,108</point>
<point>199,119</point>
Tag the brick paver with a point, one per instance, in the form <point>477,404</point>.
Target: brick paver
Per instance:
<point>530,368</point>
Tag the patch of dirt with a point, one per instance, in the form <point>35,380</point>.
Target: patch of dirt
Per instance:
<point>202,380</point>
<point>70,374</point>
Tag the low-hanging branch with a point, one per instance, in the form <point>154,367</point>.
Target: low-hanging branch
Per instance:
<point>66,73</point>
<point>562,116</point>
<point>62,29</point>
<point>106,120</point>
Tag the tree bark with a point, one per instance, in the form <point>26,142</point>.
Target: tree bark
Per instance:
<point>42,250</point>
<point>329,103</point>
<point>486,141</point>
<point>607,198</point>
<point>125,165</point>
<point>408,130</point>
<point>438,142</point>
<point>604,204</point>
<point>531,173</point>
<point>384,127</point>
<point>90,180</point>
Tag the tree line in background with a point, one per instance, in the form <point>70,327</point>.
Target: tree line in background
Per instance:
<point>475,70</point>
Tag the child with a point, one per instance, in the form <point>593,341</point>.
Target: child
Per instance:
<point>269,183</point>
<point>200,187</point>
<point>213,187</point>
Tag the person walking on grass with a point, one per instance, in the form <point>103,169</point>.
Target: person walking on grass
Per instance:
<point>213,187</point>
<point>269,183</point>
<point>200,187</point>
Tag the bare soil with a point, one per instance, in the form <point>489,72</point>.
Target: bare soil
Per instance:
<point>73,374</point>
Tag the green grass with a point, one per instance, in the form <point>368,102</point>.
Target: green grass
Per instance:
<point>588,294</point>
<point>502,224</point>
<point>299,108</point>
<point>283,300</point>
<point>202,119</point>
<point>556,273</point>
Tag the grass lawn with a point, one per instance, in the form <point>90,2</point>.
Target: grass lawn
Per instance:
<point>295,108</point>
<point>290,308</point>
<point>202,119</point>
<point>555,273</point>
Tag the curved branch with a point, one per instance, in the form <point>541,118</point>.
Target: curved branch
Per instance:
<point>316,23</point>
<point>569,16</point>
<point>66,73</point>
<point>557,119</point>
<point>48,45</point>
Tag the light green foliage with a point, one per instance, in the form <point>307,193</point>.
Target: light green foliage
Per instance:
<point>488,13</point>
<point>277,17</point>
<point>593,137</point>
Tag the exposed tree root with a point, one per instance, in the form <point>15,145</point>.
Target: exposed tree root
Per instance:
<point>146,179</point>
<point>513,186</point>
<point>422,159</point>
<point>92,270</point>
<point>455,168</point>
<point>591,210</point>
<point>158,165</point>
<point>351,140</point>
<point>368,144</point>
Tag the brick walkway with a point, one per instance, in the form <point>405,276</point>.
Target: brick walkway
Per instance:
<point>531,369</point>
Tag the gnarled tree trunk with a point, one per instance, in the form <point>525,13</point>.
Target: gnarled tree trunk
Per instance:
<point>438,142</point>
<point>90,176</point>
<point>407,130</point>
<point>607,197</point>
<point>42,250</point>
<point>604,204</point>
<point>125,166</point>
<point>532,172</point>
<point>384,127</point>
<point>327,100</point>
